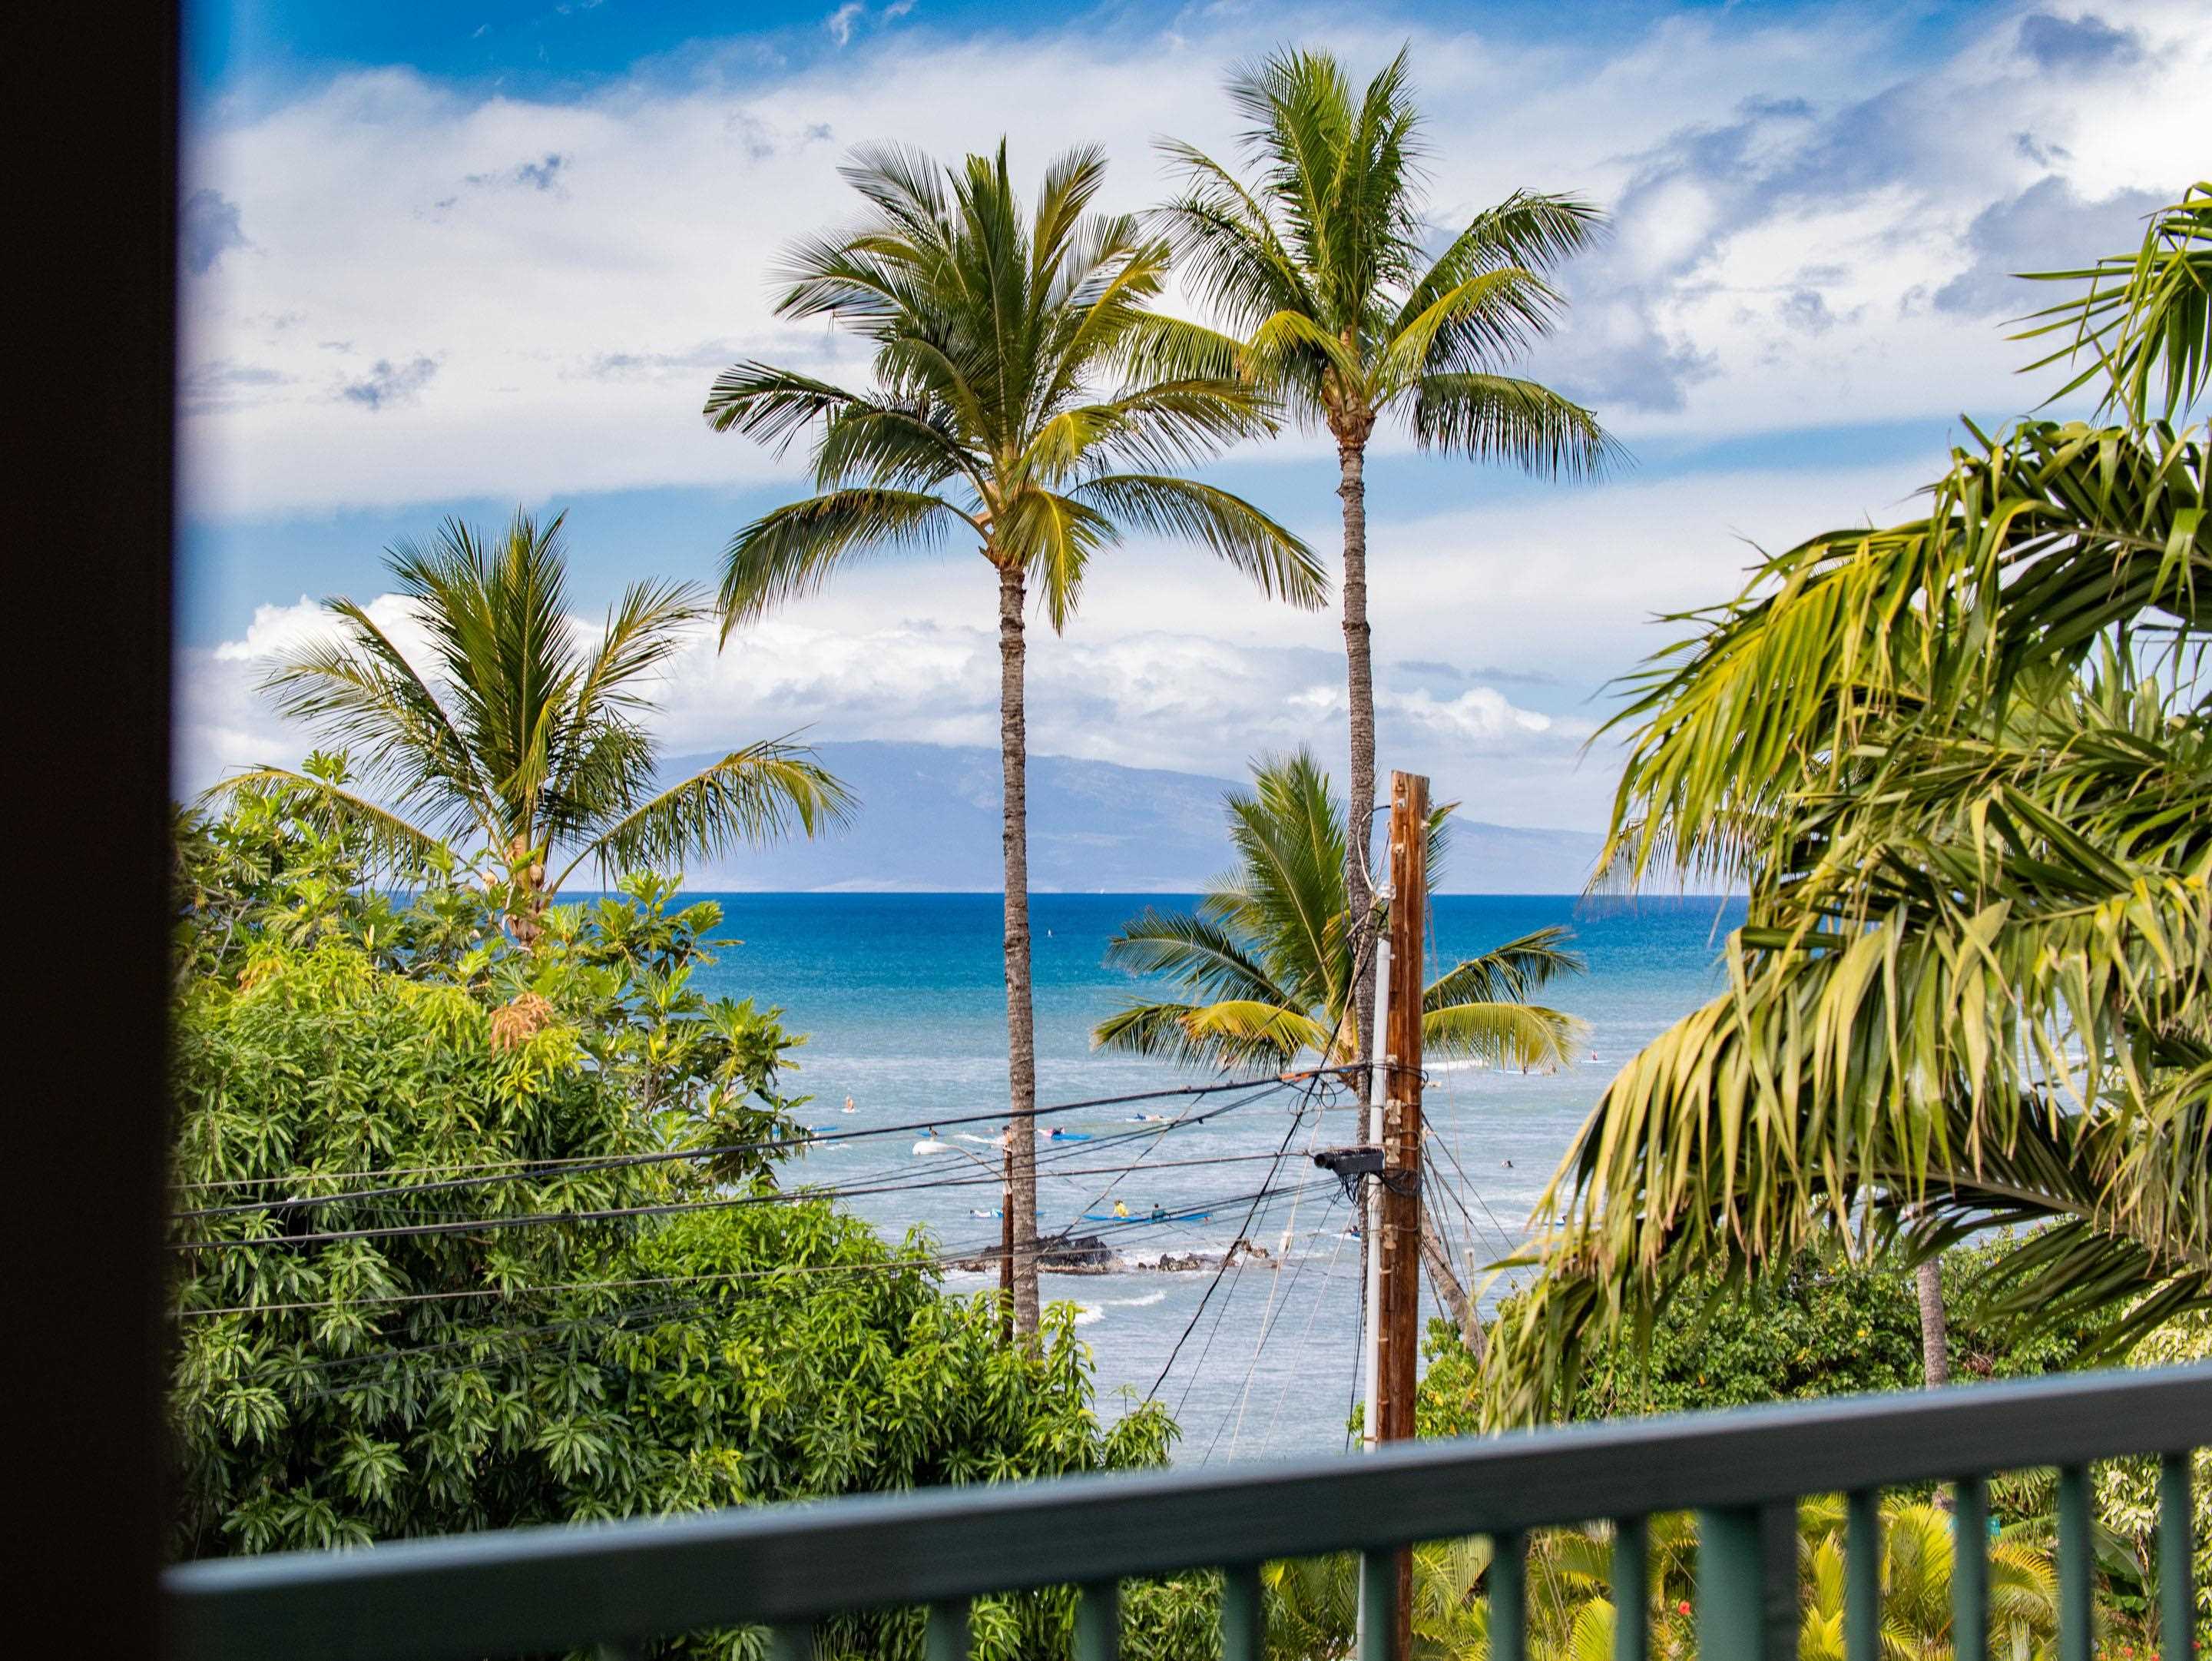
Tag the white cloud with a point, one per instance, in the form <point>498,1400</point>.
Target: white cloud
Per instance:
<point>571,330</point>
<point>1486,620</point>
<point>416,293</point>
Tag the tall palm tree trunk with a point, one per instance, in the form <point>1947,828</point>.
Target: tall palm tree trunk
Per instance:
<point>1351,464</point>
<point>1021,1022</point>
<point>1935,1324</point>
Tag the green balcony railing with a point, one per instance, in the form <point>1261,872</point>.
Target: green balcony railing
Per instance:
<point>619,1586</point>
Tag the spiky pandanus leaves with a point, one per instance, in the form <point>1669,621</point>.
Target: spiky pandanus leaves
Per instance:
<point>1267,960</point>
<point>1961,767</point>
<point>521,729</point>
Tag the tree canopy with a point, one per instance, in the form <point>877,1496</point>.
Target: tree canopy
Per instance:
<point>521,730</point>
<point>1961,765</point>
<point>1266,958</point>
<point>401,1307</point>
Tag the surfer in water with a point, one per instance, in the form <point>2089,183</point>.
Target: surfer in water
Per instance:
<point>849,1106</point>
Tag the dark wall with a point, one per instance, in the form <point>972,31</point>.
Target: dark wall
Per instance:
<point>90,198</point>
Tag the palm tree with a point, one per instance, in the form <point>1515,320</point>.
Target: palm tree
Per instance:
<point>1318,268</point>
<point>1017,400</point>
<point>1268,963</point>
<point>1964,767</point>
<point>521,728</point>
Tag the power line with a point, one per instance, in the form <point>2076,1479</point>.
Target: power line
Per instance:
<point>588,1166</point>
<point>1328,1282</point>
<point>494,1330</point>
<point>941,1259</point>
<point>1267,1318</point>
<point>1185,1335</point>
<point>910,1183</point>
<point>672,1208</point>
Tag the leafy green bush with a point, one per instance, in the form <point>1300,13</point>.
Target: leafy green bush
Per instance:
<point>350,1066</point>
<point>1828,1327</point>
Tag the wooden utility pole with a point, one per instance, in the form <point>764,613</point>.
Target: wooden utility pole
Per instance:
<point>1398,1322</point>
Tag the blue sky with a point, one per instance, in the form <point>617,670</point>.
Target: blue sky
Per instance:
<point>456,259</point>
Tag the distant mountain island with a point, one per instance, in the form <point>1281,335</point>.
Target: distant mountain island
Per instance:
<point>929,823</point>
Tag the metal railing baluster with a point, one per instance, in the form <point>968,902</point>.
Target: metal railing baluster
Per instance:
<point>1098,1621</point>
<point>2177,1560</point>
<point>1632,1588</point>
<point>552,1591</point>
<point>2076,1557</point>
<point>1244,1614</point>
<point>1508,1596</point>
<point>1747,1582</point>
<point>946,1636</point>
<point>1970,1569</point>
<point>1862,1576</point>
<point>1378,1605</point>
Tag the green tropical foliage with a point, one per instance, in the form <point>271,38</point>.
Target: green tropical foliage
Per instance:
<point>1015,398</point>
<point>1963,766</point>
<point>340,1053</point>
<point>2142,322</point>
<point>1027,395</point>
<point>1571,1613</point>
<point>1827,1326</point>
<point>1319,264</point>
<point>1267,961</point>
<point>522,730</point>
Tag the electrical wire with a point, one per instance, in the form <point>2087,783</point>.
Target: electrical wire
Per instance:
<point>1185,1335</point>
<point>620,1162</point>
<point>672,1208</point>
<point>1327,1284</point>
<point>493,1330</point>
<point>1266,1325</point>
<point>938,1260</point>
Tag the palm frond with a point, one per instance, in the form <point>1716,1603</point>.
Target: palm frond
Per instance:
<point>1226,525</point>
<point>2145,321</point>
<point>791,551</point>
<point>1224,1035</point>
<point>1195,952</point>
<point>1491,417</point>
<point>1514,972</point>
<point>1507,1034</point>
<point>758,794</point>
<point>391,841</point>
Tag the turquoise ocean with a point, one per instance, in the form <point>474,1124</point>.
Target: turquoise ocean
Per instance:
<point>902,997</point>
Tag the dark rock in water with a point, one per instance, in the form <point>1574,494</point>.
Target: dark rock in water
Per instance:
<point>1187,1260</point>
<point>1079,1254</point>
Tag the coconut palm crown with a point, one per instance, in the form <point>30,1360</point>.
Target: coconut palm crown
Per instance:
<point>1267,958</point>
<point>1026,400</point>
<point>523,729</point>
<point>1318,266</point>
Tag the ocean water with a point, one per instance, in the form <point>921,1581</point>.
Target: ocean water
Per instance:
<point>902,999</point>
